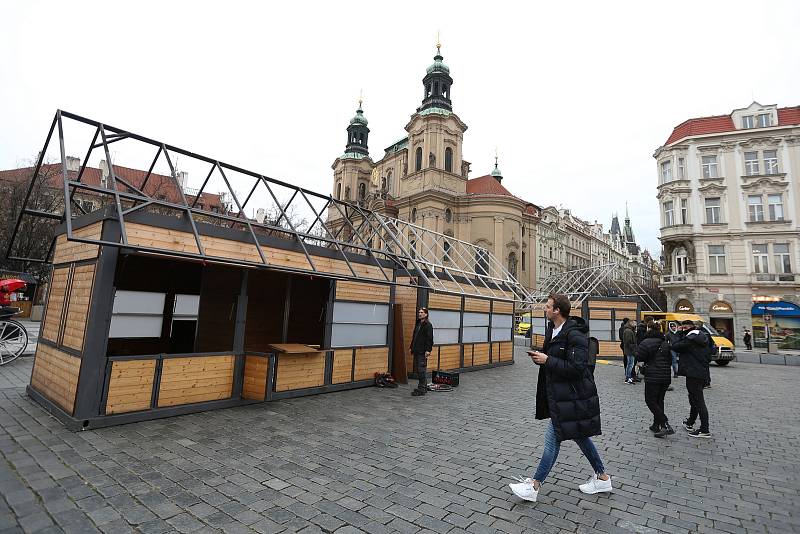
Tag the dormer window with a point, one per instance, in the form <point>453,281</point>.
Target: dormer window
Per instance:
<point>764,120</point>
<point>748,121</point>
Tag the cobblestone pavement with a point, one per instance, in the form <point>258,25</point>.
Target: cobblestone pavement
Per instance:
<point>378,460</point>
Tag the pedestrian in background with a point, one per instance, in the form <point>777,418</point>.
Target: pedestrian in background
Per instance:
<point>621,332</point>
<point>421,347</point>
<point>565,394</point>
<point>629,349</point>
<point>748,339</point>
<point>693,362</point>
<point>656,357</point>
<point>672,336</point>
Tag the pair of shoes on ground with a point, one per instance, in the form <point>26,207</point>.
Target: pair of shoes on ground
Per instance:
<point>525,490</point>
<point>418,392</point>
<point>664,431</point>
<point>630,381</point>
<point>695,433</point>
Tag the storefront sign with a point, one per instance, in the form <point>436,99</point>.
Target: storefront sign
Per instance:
<point>721,307</point>
<point>684,306</point>
<point>776,309</point>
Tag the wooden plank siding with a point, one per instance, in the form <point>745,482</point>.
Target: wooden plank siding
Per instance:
<point>407,297</point>
<point>55,375</point>
<point>480,354</point>
<point>503,351</point>
<point>442,301</point>
<point>599,314</point>
<point>55,304</point>
<point>299,371</point>
<point>69,251</point>
<point>501,306</point>
<point>476,305</point>
<point>361,292</point>
<point>130,388</point>
<point>173,240</point>
<point>370,361</point>
<point>609,348</point>
<point>613,304</point>
<point>256,376</point>
<point>449,357</point>
<point>195,379</point>
<point>78,307</point>
<point>342,366</point>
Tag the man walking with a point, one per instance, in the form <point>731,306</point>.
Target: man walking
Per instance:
<point>748,339</point>
<point>621,333</point>
<point>654,352</point>
<point>421,347</point>
<point>565,394</point>
<point>693,361</point>
<point>629,350</point>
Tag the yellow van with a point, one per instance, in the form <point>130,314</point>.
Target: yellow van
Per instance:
<point>724,345</point>
<point>523,327</point>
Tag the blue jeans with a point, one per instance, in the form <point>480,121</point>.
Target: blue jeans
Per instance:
<point>550,454</point>
<point>674,362</point>
<point>629,367</point>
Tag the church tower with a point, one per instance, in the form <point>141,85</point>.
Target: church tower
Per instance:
<point>352,170</point>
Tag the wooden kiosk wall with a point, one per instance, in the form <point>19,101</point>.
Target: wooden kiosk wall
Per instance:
<point>75,379</point>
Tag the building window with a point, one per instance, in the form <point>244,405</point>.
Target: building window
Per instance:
<point>751,163</point>
<point>413,214</point>
<point>669,213</point>
<point>716,259</point>
<point>681,169</point>
<point>748,121</point>
<point>347,193</point>
<point>764,120</point>
<point>448,159</point>
<point>775,207</point>
<point>755,208</point>
<point>760,258</point>
<point>413,246</point>
<point>551,253</point>
<point>383,184</point>
<point>481,262</point>
<point>684,211</point>
<point>418,159</point>
<point>713,211</point>
<point>771,161</point>
<point>666,171</point>
<point>523,230</point>
<point>512,264</point>
<point>523,260</point>
<point>681,261</point>
<point>362,191</point>
<point>448,215</point>
<point>783,264</point>
<point>446,247</point>
<point>339,190</point>
<point>710,169</point>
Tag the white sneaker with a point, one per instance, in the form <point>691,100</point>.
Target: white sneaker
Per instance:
<point>596,485</point>
<point>524,489</point>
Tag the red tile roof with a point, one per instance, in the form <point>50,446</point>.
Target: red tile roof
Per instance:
<point>488,185</point>
<point>724,123</point>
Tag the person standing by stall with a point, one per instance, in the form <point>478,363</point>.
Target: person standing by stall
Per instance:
<point>565,394</point>
<point>421,347</point>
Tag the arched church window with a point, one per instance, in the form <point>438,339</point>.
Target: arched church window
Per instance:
<point>362,191</point>
<point>436,88</point>
<point>347,193</point>
<point>446,247</point>
<point>444,90</point>
<point>448,215</point>
<point>428,91</point>
<point>523,260</point>
<point>681,260</point>
<point>339,190</point>
<point>383,184</point>
<point>413,214</point>
<point>389,181</point>
<point>418,159</point>
<point>448,159</point>
<point>512,264</point>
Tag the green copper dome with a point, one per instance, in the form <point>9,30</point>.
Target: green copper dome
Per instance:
<point>359,118</point>
<point>438,65</point>
<point>496,172</point>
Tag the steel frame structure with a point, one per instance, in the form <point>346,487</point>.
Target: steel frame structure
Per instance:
<point>599,280</point>
<point>395,238</point>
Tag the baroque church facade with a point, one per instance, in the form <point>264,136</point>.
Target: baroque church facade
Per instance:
<point>423,178</point>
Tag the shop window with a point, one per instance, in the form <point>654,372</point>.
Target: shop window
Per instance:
<point>447,324</point>
<point>476,327</point>
<point>501,327</point>
<point>360,324</point>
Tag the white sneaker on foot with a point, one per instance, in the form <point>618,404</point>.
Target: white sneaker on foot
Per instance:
<point>596,485</point>
<point>524,489</point>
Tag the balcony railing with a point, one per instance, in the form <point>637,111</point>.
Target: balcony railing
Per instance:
<point>683,278</point>
<point>773,277</point>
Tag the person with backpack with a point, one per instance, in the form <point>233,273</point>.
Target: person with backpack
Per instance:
<point>566,394</point>
<point>693,362</point>
<point>655,353</point>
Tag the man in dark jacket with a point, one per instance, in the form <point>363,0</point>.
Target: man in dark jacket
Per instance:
<point>693,359</point>
<point>654,352</point>
<point>629,349</point>
<point>421,347</point>
<point>621,333</point>
<point>565,394</point>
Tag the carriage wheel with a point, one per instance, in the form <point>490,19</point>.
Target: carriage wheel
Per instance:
<point>13,340</point>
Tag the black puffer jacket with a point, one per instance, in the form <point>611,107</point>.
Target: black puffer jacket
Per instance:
<point>566,392</point>
<point>654,353</point>
<point>422,340</point>
<point>694,354</point>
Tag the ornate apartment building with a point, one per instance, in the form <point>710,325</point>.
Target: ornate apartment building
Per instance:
<point>728,190</point>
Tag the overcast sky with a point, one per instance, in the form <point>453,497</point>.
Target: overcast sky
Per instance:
<point>576,96</point>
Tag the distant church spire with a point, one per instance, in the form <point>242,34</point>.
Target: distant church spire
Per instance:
<point>357,131</point>
<point>496,172</point>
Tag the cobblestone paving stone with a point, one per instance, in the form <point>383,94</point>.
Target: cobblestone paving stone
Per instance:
<point>378,460</point>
